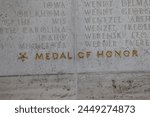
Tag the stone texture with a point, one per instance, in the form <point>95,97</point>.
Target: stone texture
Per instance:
<point>88,86</point>
<point>38,87</point>
<point>96,36</point>
<point>114,86</point>
<point>25,30</point>
<point>36,37</point>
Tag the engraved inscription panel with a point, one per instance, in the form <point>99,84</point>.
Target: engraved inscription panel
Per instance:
<point>114,35</point>
<point>35,37</point>
<point>56,36</point>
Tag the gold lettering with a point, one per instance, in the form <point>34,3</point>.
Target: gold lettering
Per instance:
<point>63,56</point>
<point>69,57</point>
<point>100,54</point>
<point>55,56</point>
<point>109,54</point>
<point>134,53</point>
<point>81,55</point>
<point>47,56</point>
<point>126,53</point>
<point>88,54</point>
<point>117,53</point>
<point>39,56</point>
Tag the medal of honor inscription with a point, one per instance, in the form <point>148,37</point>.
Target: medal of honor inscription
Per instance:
<point>67,36</point>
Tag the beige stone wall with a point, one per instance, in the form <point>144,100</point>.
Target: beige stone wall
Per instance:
<point>72,86</point>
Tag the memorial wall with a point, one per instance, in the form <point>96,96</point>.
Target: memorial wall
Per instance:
<point>113,35</point>
<point>74,49</point>
<point>36,37</point>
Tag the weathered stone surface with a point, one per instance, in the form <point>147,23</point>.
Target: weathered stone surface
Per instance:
<point>36,37</point>
<point>87,86</point>
<point>114,86</point>
<point>50,37</point>
<point>38,87</point>
<point>113,35</point>
<point>77,38</point>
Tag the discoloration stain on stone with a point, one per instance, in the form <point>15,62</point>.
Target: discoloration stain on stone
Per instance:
<point>38,87</point>
<point>90,86</point>
<point>114,86</point>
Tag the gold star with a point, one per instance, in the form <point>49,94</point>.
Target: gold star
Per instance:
<point>22,56</point>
